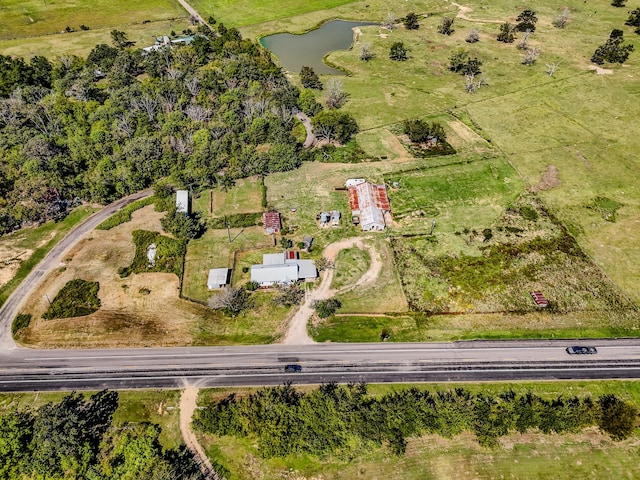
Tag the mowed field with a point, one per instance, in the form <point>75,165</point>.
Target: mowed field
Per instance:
<point>36,27</point>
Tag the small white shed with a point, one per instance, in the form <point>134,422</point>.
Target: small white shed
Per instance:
<point>218,278</point>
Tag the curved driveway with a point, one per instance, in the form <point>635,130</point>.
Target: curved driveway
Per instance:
<point>24,369</point>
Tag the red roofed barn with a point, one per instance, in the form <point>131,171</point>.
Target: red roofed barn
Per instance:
<point>271,222</point>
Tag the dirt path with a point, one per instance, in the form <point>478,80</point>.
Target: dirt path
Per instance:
<point>194,13</point>
<point>462,13</point>
<point>188,405</point>
<point>297,333</point>
<point>311,139</point>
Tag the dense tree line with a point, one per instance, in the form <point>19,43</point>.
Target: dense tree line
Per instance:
<point>77,439</point>
<point>332,419</point>
<point>115,122</point>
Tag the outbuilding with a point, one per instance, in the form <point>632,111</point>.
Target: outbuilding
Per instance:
<point>218,278</point>
<point>183,203</point>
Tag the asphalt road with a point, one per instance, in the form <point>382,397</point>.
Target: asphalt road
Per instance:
<point>39,370</point>
<point>11,307</point>
<point>33,370</point>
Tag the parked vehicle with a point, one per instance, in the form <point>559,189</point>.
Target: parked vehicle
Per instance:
<point>293,368</point>
<point>578,350</point>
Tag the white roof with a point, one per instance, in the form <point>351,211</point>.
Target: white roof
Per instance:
<point>182,201</point>
<point>218,276</point>
<point>370,214</point>
<point>352,182</point>
<point>273,258</point>
<point>306,268</point>
<point>270,274</point>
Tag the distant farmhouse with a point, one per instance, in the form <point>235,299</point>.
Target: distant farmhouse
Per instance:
<point>368,203</point>
<point>164,41</point>
<point>218,278</point>
<point>183,202</point>
<point>283,269</point>
<point>271,222</point>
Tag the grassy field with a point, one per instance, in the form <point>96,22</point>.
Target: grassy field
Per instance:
<point>82,42</point>
<point>350,266</point>
<point>33,18</point>
<point>248,12</point>
<point>578,121</point>
<point>154,406</point>
<point>22,250</point>
<point>532,455</point>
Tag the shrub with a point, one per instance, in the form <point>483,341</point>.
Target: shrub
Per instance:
<point>76,299</point>
<point>310,79</point>
<point>21,321</point>
<point>398,52</point>
<point>617,417</point>
<point>507,33</point>
<point>446,26</point>
<point>326,308</point>
<point>473,36</point>
<point>411,21</point>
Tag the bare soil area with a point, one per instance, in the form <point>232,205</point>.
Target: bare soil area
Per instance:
<point>140,310</point>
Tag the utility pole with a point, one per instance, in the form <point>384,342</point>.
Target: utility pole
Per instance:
<point>229,231</point>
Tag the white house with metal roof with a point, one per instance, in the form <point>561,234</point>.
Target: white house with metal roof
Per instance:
<point>282,269</point>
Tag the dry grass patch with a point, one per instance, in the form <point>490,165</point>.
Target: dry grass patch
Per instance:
<point>141,310</point>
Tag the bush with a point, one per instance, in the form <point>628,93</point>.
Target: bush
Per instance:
<point>169,254</point>
<point>473,36</point>
<point>237,220</point>
<point>76,299</point>
<point>617,418</point>
<point>326,308</point>
<point>21,321</point>
<point>411,21</point>
<point>446,26</point>
<point>398,52</point>
<point>506,34</point>
<point>613,51</point>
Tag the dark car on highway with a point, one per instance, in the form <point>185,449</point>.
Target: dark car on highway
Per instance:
<point>577,350</point>
<point>293,368</point>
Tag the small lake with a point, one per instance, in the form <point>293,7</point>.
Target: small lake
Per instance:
<point>296,51</point>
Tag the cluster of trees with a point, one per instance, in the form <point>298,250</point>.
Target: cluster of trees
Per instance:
<point>333,418</point>
<point>76,299</point>
<point>326,308</point>
<point>113,123</point>
<point>77,439</point>
<point>421,131</point>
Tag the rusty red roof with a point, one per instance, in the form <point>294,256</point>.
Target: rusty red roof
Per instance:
<point>353,199</point>
<point>381,198</point>
<point>271,220</point>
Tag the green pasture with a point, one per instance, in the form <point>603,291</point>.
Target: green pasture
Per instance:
<point>82,42</point>
<point>249,12</point>
<point>350,265</point>
<point>33,18</point>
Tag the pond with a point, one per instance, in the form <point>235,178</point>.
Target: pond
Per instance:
<point>296,51</point>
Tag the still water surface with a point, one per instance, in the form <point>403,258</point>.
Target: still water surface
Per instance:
<point>296,51</point>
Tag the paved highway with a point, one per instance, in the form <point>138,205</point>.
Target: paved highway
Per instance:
<point>33,370</point>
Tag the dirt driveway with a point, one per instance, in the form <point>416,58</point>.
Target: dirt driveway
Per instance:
<point>297,333</point>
